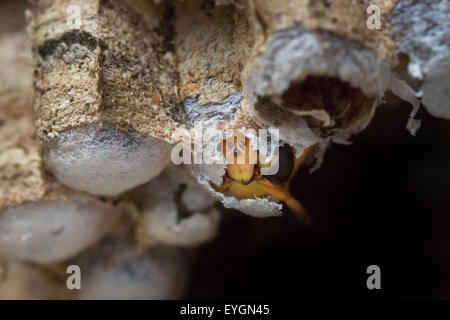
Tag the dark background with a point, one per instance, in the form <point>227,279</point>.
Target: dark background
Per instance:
<point>383,200</point>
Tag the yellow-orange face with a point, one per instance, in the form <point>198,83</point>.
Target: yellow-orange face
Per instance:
<point>243,177</point>
<point>240,158</point>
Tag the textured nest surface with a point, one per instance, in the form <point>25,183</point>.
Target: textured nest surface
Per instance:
<point>90,117</point>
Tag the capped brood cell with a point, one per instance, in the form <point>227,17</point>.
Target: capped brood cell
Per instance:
<point>105,105</point>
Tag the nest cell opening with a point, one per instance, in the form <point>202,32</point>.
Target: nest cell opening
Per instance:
<point>326,103</point>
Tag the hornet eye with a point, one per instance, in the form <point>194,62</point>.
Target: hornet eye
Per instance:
<point>285,165</point>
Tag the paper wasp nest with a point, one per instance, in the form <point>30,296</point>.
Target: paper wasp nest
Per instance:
<point>102,96</point>
<point>110,270</point>
<point>176,211</point>
<point>94,159</point>
<point>313,71</point>
<point>255,66</point>
<point>113,270</point>
<point>41,220</point>
<point>421,30</point>
<point>43,231</point>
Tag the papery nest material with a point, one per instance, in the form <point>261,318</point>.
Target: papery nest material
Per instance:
<point>102,97</point>
<point>175,210</point>
<point>41,220</point>
<point>421,31</point>
<point>268,65</point>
